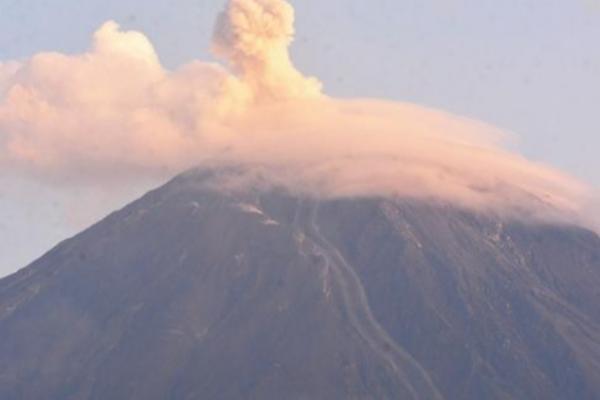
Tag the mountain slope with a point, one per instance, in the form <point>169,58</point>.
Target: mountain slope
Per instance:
<point>191,293</point>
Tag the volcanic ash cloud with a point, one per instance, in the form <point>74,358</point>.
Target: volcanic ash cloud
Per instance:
<point>254,37</point>
<point>115,113</point>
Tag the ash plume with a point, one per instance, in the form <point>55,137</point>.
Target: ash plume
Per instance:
<point>254,38</point>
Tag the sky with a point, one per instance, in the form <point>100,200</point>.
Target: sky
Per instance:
<point>529,67</point>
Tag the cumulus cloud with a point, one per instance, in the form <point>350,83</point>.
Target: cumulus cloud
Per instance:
<point>115,112</point>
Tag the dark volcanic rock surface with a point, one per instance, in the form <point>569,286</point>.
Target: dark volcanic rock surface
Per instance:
<point>192,294</point>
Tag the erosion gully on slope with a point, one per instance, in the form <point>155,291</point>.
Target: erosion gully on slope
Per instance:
<point>413,376</point>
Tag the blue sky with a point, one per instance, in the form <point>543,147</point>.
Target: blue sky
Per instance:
<point>531,67</point>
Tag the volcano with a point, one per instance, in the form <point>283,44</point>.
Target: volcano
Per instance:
<point>195,293</point>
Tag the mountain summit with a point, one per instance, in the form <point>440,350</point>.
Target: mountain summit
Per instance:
<point>194,293</point>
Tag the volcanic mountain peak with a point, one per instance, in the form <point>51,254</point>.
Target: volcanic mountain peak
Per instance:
<point>194,292</point>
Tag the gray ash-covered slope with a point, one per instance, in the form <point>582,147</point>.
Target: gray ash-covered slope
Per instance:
<point>189,293</point>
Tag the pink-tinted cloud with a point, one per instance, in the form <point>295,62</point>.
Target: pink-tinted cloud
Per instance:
<point>115,113</point>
